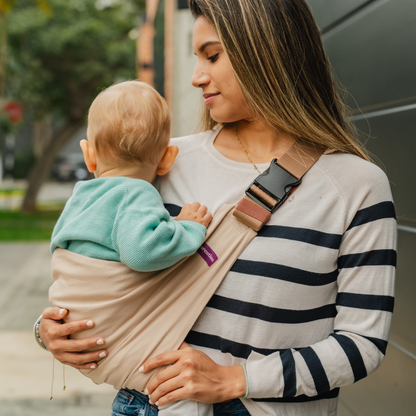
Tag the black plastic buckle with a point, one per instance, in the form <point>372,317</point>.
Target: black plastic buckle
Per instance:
<point>276,182</point>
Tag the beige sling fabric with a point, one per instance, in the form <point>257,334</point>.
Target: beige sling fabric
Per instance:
<point>144,314</point>
<point>300,157</point>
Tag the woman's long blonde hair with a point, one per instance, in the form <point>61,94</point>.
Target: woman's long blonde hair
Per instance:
<point>276,52</point>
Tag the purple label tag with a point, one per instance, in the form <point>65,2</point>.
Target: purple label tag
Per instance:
<point>206,252</point>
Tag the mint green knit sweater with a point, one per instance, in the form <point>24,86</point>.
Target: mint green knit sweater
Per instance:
<point>123,219</point>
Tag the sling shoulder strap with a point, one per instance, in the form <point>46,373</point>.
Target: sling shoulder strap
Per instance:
<point>271,189</point>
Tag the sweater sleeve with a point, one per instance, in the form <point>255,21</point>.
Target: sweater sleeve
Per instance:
<point>364,306</point>
<point>144,236</point>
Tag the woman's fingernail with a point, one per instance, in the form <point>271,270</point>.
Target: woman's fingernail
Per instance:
<point>61,311</point>
<point>102,354</point>
<point>150,401</point>
<point>90,323</point>
<point>93,366</point>
<point>146,392</point>
<point>141,369</point>
<point>157,404</point>
<point>100,342</point>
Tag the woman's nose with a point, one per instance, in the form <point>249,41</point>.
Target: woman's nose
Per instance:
<point>200,78</point>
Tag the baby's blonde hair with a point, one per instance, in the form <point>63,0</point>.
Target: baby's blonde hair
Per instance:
<point>129,121</point>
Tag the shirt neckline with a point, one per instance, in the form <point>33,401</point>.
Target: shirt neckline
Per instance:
<point>223,160</point>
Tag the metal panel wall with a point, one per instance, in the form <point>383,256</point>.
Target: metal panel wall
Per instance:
<point>327,12</point>
<point>371,48</point>
<point>373,54</point>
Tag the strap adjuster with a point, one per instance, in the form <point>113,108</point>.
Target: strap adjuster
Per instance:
<point>277,183</point>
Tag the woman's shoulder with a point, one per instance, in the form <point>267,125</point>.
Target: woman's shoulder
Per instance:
<point>354,178</point>
<point>347,168</point>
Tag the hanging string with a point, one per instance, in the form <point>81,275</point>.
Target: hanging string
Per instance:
<point>53,375</point>
<point>63,375</point>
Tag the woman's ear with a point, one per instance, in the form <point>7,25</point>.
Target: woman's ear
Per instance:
<point>90,157</point>
<point>167,160</point>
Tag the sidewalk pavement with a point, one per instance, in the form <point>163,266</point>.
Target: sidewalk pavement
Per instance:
<point>26,369</point>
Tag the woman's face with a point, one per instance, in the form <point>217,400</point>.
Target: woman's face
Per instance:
<point>213,74</point>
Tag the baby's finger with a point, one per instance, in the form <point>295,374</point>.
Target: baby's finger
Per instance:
<point>202,210</point>
<point>195,206</point>
<point>207,219</point>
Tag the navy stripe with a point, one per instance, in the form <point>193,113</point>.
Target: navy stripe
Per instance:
<point>269,314</point>
<point>368,258</point>
<point>173,209</point>
<point>373,213</point>
<point>379,343</point>
<point>354,356</point>
<point>289,374</point>
<point>286,273</point>
<point>316,369</point>
<point>332,394</point>
<point>305,235</point>
<point>371,302</point>
<point>215,342</point>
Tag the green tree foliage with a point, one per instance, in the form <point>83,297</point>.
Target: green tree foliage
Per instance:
<point>59,61</point>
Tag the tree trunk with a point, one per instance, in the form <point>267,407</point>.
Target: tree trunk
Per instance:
<point>42,135</point>
<point>44,163</point>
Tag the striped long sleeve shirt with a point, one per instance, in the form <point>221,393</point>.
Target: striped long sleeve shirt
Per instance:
<point>308,304</point>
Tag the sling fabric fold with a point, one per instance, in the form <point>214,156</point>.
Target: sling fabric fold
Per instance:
<point>154,311</point>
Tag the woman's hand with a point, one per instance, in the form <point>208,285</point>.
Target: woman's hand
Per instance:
<point>193,375</point>
<point>54,334</point>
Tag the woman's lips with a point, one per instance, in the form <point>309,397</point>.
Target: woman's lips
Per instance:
<point>209,97</point>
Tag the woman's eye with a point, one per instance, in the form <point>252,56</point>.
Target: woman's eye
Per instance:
<point>213,58</point>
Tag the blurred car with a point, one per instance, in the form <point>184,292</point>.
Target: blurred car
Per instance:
<point>70,167</point>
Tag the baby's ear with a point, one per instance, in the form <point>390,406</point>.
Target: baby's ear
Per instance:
<point>167,160</point>
<point>90,157</point>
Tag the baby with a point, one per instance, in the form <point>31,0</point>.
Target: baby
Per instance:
<point>119,216</point>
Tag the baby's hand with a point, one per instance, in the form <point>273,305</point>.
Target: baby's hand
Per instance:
<point>196,213</point>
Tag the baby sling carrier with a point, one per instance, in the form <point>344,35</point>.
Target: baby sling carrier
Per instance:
<point>156,310</point>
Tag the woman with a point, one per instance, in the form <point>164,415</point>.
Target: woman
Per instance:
<point>307,307</point>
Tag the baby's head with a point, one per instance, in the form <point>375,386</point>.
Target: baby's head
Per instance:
<point>128,125</point>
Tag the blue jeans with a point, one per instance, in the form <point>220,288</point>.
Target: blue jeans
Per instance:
<point>132,403</point>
